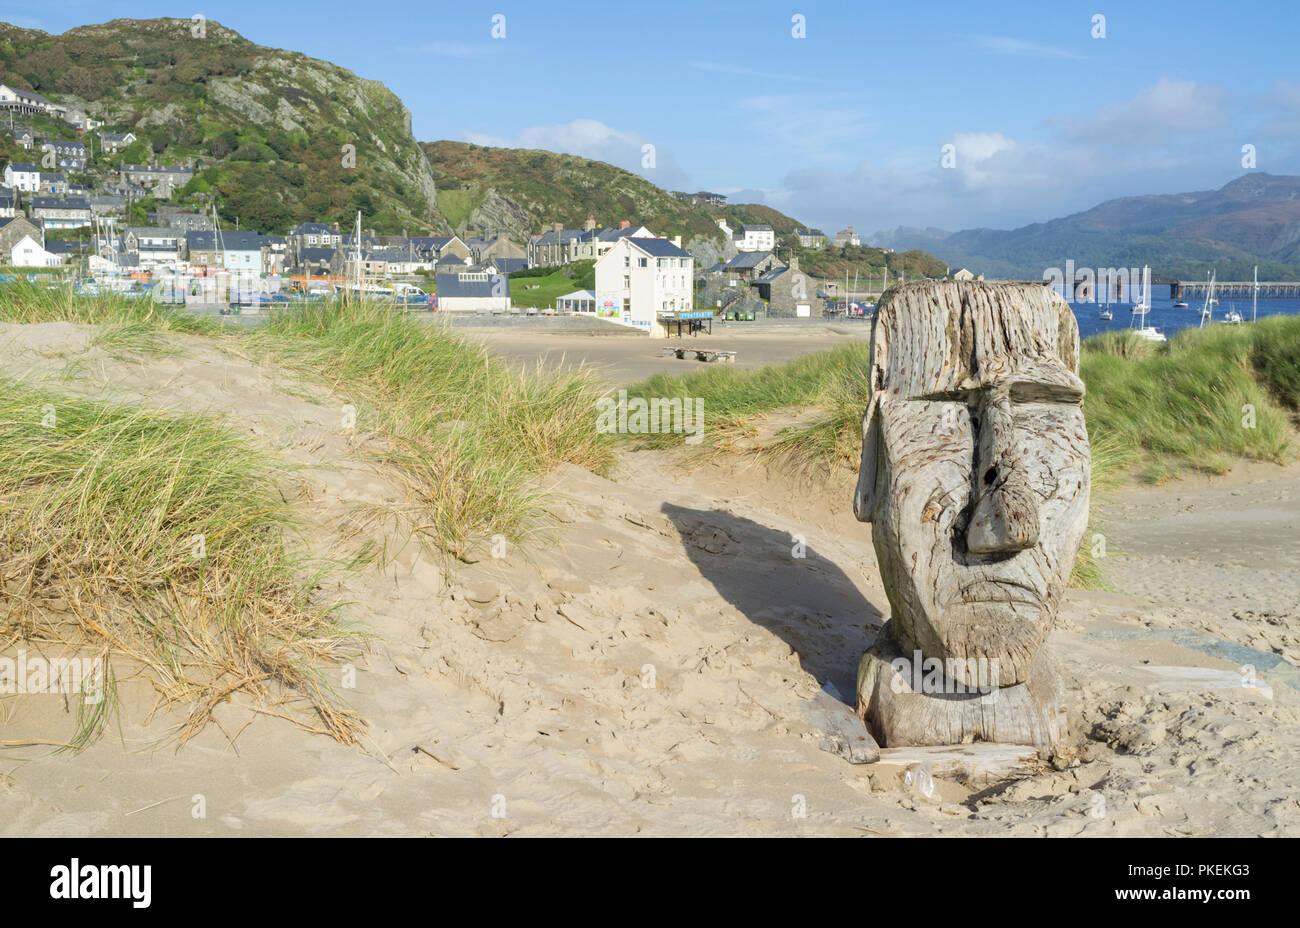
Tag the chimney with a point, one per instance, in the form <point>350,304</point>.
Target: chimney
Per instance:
<point>336,225</point>
<point>624,224</point>
<point>590,224</point>
<point>794,262</point>
<point>677,240</point>
<point>556,226</point>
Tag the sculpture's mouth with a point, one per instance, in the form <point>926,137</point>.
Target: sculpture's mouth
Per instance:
<point>998,591</point>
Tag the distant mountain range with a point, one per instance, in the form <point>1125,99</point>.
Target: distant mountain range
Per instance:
<point>1254,220</point>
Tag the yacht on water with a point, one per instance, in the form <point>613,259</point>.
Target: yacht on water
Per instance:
<point>1141,308</point>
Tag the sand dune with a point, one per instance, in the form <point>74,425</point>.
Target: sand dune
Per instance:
<point>659,663</point>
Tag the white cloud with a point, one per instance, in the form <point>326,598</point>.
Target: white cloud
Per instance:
<point>1006,45</point>
<point>590,138</point>
<point>1167,106</point>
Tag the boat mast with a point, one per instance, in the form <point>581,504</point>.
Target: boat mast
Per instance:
<point>1254,300</point>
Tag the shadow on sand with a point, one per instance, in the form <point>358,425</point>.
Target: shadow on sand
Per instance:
<point>809,602</point>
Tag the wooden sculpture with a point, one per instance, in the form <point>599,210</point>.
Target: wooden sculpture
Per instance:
<point>975,477</point>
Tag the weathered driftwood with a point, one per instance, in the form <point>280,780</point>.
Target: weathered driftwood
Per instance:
<point>917,703</point>
<point>975,765</point>
<point>974,473</point>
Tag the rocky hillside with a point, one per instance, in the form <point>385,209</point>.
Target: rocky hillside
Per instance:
<point>525,190</point>
<point>268,129</point>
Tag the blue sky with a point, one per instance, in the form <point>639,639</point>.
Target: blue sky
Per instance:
<point>846,125</point>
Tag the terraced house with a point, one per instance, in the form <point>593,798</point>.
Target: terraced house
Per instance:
<point>161,180</point>
<point>22,102</point>
<point>61,212</point>
<point>154,245</point>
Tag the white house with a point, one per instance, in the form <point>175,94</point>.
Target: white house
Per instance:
<point>24,177</point>
<point>473,292</point>
<point>25,102</point>
<point>755,238</point>
<point>639,278</point>
<point>29,253</point>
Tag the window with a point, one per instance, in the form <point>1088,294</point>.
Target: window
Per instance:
<point>627,281</point>
<point>627,261</point>
<point>642,262</point>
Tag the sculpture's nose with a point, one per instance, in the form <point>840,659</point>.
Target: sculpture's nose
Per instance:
<point>1005,517</point>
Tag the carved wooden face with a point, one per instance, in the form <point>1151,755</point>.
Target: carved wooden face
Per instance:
<point>981,477</point>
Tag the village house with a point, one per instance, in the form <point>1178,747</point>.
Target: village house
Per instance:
<point>22,176</point>
<point>230,251</point>
<point>436,247</point>
<point>107,205</point>
<point>71,156</point>
<point>789,292</point>
<point>473,292</point>
<point>504,265</point>
<point>811,238</point>
<point>596,241</point>
<point>385,261</point>
<point>24,137</point>
<point>160,180</point>
<point>8,203</point>
<point>314,235</point>
<point>275,254</point>
<point>22,102</point>
<point>54,184</point>
<point>639,278</point>
<point>112,142</point>
<point>319,262</point>
<point>553,247</point>
<point>847,236</point>
<point>181,221</point>
<point>79,120</point>
<point>748,266</point>
<point>61,212</point>
<point>498,247</point>
<point>755,238</point>
<point>451,263</point>
<point>153,245</point>
<point>22,244</point>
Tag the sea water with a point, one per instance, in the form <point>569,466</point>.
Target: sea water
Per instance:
<point>1169,320</point>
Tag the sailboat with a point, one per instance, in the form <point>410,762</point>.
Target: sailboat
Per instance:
<point>1142,307</point>
<point>1207,311</point>
<point>1233,317</point>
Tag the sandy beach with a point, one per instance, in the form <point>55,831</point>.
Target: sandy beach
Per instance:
<point>628,359</point>
<point>663,662</point>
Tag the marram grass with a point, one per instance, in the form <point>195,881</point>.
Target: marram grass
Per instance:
<point>470,436</point>
<point>163,538</point>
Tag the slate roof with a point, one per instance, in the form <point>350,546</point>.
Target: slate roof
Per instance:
<point>60,203</point>
<point>451,285</point>
<point>747,260</point>
<point>316,255</point>
<point>229,241</point>
<point>659,247</point>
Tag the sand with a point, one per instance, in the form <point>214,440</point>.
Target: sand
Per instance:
<point>660,664</point>
<point>626,359</point>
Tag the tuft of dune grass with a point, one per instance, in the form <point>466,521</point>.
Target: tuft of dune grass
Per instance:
<point>27,303</point>
<point>164,538</point>
<point>470,435</point>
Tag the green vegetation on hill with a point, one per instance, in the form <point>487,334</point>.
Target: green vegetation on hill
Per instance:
<point>267,128</point>
<point>525,191</point>
<point>869,264</point>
